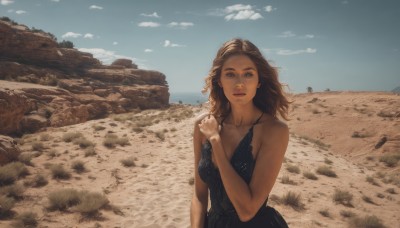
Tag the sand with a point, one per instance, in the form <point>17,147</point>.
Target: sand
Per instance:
<point>156,192</point>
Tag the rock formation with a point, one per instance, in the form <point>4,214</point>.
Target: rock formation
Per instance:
<point>9,150</point>
<point>44,85</point>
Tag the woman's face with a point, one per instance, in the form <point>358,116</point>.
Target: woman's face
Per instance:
<point>239,79</point>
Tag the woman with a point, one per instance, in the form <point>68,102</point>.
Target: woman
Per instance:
<point>239,147</point>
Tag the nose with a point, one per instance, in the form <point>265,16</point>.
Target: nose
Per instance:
<point>239,82</point>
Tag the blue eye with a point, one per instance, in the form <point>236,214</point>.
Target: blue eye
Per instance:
<point>230,74</point>
<point>248,74</point>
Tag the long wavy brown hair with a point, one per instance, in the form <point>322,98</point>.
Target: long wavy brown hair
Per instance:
<point>269,97</point>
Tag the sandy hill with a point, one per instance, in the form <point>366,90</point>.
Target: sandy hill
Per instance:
<point>137,168</point>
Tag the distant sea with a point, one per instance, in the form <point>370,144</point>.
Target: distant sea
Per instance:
<point>188,98</point>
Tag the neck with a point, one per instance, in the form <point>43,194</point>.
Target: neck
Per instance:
<point>243,115</point>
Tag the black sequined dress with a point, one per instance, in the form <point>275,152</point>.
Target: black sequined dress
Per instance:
<point>222,214</point>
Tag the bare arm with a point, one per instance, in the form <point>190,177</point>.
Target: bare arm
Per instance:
<point>200,197</point>
<point>247,199</point>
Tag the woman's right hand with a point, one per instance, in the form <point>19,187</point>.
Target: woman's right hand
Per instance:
<point>209,126</point>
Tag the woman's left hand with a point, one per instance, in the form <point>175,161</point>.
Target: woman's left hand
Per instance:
<point>209,126</point>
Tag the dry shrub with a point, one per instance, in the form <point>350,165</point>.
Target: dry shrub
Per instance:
<point>368,199</point>
<point>128,162</point>
<point>14,191</point>
<point>325,212</point>
<point>70,136</point>
<point>347,214</point>
<point>83,142</point>
<point>45,137</point>
<point>310,175</point>
<point>391,191</point>
<point>10,172</point>
<point>111,140</point>
<point>317,142</point>
<point>6,204</point>
<point>343,197</point>
<point>160,135</point>
<point>58,172</point>
<point>90,203</point>
<point>366,222</point>
<point>292,199</point>
<point>98,127</point>
<point>39,181</point>
<point>37,146</point>
<point>393,178</point>
<point>293,168</point>
<point>372,181</point>
<point>327,171</point>
<point>90,151</point>
<point>63,199</point>
<point>25,219</point>
<point>85,202</point>
<point>26,158</point>
<point>357,134</point>
<point>191,181</point>
<point>138,129</point>
<point>52,153</point>
<point>390,160</point>
<point>327,161</point>
<point>380,195</point>
<point>286,180</point>
<point>78,166</point>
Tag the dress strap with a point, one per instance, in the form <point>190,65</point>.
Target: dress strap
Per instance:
<point>262,113</point>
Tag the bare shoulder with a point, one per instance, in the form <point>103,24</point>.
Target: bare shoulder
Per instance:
<point>273,129</point>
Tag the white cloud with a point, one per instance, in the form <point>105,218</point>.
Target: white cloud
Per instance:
<point>238,12</point>
<point>149,24</point>
<point>296,52</point>
<point>55,0</point>
<point>287,34</point>
<point>71,35</point>
<point>243,15</point>
<point>308,36</point>
<point>237,7</point>
<point>155,15</point>
<point>290,34</point>
<point>280,51</point>
<point>88,36</point>
<point>168,43</point>
<point>148,50</point>
<point>181,25</point>
<point>6,2</point>
<point>20,11</point>
<point>94,7</point>
<point>107,57</point>
<point>269,9</point>
<point>115,43</point>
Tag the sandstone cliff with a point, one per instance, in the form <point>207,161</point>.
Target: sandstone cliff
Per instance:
<point>44,85</point>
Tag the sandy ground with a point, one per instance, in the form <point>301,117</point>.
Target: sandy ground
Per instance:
<point>156,192</point>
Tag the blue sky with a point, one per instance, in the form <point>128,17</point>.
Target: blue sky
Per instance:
<point>335,44</point>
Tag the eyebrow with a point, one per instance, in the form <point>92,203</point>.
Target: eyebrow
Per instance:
<point>230,68</point>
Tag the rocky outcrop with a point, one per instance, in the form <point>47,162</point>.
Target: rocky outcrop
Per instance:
<point>127,63</point>
<point>9,150</point>
<point>19,44</point>
<point>43,85</point>
<point>13,106</point>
